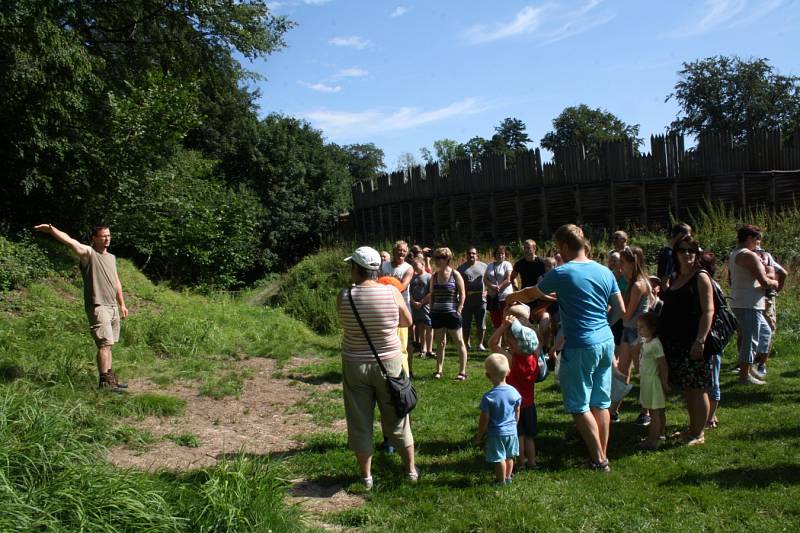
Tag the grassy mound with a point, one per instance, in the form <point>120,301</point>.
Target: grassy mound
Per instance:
<point>55,425</point>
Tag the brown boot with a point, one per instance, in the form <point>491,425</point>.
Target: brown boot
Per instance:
<point>117,383</point>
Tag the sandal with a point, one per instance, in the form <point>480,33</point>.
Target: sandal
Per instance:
<point>461,376</point>
<point>694,441</point>
<point>437,375</point>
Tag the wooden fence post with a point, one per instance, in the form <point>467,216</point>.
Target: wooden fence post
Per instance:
<point>612,200</point>
<point>742,191</point>
<point>452,206</point>
<point>493,215</point>
<point>643,200</point>
<point>518,210</point>
<point>773,194</point>
<point>545,229</point>
<point>675,204</point>
<point>576,193</point>
<point>471,219</point>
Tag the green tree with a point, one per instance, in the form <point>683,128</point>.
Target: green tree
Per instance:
<point>446,150</point>
<point>736,96</point>
<point>405,161</point>
<point>582,125</point>
<point>364,161</point>
<point>303,184</point>
<point>511,131</point>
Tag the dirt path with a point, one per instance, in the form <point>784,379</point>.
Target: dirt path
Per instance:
<point>260,421</point>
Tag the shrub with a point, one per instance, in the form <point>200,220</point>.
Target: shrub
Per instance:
<point>309,290</point>
<point>21,263</point>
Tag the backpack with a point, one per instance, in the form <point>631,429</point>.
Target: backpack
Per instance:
<point>723,325</point>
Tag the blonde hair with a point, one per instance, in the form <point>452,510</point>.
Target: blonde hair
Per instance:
<point>522,312</point>
<point>496,366</point>
<point>445,252</point>
<point>571,236</point>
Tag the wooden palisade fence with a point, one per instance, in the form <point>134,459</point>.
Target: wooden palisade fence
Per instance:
<point>499,200</point>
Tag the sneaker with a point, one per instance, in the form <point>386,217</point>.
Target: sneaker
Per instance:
<point>762,369</point>
<point>481,348</point>
<point>643,420</point>
<point>413,477</point>
<point>757,373</point>
<point>750,380</point>
<point>614,418</point>
<point>367,482</point>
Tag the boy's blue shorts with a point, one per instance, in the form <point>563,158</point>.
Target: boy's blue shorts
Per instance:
<point>585,377</point>
<point>501,447</point>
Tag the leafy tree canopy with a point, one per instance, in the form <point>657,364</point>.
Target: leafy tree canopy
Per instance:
<point>511,132</point>
<point>734,95</point>
<point>583,125</point>
<point>446,150</point>
<point>364,161</point>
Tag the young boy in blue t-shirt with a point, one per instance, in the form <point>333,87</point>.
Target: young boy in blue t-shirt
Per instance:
<point>498,422</point>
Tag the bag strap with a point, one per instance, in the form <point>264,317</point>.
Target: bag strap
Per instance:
<point>364,330</point>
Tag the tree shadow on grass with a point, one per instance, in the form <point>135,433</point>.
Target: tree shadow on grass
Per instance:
<point>744,397</point>
<point>733,478</point>
<point>791,374</point>
<point>792,432</point>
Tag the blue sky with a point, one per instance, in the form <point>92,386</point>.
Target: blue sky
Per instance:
<point>404,74</point>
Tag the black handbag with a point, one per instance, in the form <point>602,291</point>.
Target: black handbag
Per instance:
<point>401,392</point>
<point>723,324</point>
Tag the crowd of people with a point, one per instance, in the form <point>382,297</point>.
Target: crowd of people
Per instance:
<point>598,317</point>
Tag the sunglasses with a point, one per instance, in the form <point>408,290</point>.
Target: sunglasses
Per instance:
<point>685,250</point>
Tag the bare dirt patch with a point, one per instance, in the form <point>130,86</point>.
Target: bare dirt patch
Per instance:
<point>260,421</point>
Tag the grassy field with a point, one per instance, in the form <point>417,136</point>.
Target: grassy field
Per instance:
<point>746,476</point>
<point>55,425</point>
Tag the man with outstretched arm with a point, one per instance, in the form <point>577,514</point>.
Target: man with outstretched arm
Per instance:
<point>102,292</point>
<point>586,291</point>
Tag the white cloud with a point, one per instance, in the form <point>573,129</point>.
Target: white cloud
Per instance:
<point>315,2</point>
<point>351,41</point>
<point>347,124</point>
<point>719,14</point>
<point>399,11</point>
<point>352,72</point>
<point>320,87</point>
<point>547,22</point>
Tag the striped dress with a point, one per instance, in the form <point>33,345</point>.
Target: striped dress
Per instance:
<point>378,310</point>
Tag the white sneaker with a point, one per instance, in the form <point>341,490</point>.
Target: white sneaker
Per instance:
<point>367,481</point>
<point>481,348</point>
<point>413,477</point>
<point>750,380</point>
<point>756,374</point>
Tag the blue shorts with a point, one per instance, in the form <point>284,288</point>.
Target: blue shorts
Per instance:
<point>501,447</point>
<point>585,377</point>
<point>528,425</point>
<point>755,331</point>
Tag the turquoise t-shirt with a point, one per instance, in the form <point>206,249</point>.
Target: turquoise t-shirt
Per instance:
<point>501,403</point>
<point>584,290</point>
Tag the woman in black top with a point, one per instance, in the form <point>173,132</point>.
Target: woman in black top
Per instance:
<point>685,322</point>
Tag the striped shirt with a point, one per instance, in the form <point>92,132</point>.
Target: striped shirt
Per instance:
<point>444,298</point>
<point>378,311</point>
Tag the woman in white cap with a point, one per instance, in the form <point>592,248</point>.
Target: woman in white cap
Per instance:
<point>381,309</point>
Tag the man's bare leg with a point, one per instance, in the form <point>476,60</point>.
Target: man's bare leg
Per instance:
<point>104,359</point>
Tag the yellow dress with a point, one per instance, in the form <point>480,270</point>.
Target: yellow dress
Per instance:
<point>651,393</point>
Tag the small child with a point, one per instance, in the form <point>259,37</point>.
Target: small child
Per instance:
<point>653,383</point>
<point>499,415</point>
<point>421,314</point>
<point>523,359</point>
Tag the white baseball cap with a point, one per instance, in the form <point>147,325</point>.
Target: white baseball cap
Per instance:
<point>366,257</point>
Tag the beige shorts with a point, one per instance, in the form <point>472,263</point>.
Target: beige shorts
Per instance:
<point>363,387</point>
<point>104,324</point>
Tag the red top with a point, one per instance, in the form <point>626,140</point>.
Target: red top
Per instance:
<point>524,371</point>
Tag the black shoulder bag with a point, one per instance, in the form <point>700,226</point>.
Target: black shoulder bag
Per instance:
<point>402,393</point>
<point>723,324</point>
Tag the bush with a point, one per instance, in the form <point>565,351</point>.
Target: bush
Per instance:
<point>21,263</point>
<point>309,290</point>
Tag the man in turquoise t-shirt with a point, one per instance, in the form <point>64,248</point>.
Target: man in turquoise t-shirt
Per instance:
<point>585,291</point>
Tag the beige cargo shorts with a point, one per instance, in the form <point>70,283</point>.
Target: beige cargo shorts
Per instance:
<point>104,324</point>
